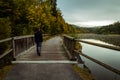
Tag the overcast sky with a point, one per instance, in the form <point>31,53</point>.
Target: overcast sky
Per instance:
<point>90,12</point>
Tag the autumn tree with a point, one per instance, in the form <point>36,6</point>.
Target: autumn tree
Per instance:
<point>24,15</point>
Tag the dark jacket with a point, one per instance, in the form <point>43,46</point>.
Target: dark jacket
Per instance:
<point>38,36</point>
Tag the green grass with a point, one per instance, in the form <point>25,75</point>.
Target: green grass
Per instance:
<point>78,46</point>
<point>4,71</point>
<point>83,74</point>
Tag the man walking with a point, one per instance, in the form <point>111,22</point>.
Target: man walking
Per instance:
<point>38,40</point>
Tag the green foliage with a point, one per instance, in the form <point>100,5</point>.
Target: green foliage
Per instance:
<point>78,29</point>
<point>5,32</point>
<point>110,29</point>
<point>24,15</point>
<point>83,73</point>
<point>6,8</point>
<point>78,46</point>
<point>5,28</point>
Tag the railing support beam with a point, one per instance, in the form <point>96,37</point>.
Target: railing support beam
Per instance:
<point>13,47</point>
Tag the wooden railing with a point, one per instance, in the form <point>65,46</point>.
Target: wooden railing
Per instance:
<point>5,58</point>
<point>101,45</point>
<point>69,44</point>
<point>17,45</point>
<point>22,43</point>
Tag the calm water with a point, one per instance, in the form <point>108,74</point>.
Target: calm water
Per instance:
<point>108,56</point>
<point>111,39</point>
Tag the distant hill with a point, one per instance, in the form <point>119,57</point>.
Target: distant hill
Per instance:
<point>79,29</point>
<point>110,29</point>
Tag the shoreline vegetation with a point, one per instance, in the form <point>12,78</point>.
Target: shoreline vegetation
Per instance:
<point>83,73</point>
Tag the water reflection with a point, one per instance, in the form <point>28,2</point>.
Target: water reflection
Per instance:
<point>111,39</point>
<point>98,71</point>
<point>98,41</point>
<point>107,56</point>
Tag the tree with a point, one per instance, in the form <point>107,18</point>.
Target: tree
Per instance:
<point>6,7</point>
<point>24,15</point>
<point>5,32</point>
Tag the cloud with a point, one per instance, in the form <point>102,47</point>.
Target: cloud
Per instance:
<point>90,12</point>
<point>92,23</point>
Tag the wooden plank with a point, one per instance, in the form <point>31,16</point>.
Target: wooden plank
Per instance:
<point>27,36</point>
<point>47,62</point>
<point>21,37</point>
<point>4,54</point>
<point>69,37</point>
<point>5,40</point>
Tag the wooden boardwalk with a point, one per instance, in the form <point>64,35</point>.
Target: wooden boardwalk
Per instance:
<point>52,50</point>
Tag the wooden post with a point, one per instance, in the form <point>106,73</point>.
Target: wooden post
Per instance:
<point>13,47</point>
<point>27,43</point>
<point>73,43</point>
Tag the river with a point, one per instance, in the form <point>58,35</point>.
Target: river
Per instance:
<point>107,56</point>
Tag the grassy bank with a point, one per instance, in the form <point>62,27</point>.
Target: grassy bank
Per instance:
<point>83,73</point>
<point>4,71</point>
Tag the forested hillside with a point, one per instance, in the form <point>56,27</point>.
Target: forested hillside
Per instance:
<point>110,29</point>
<point>78,29</point>
<point>20,17</point>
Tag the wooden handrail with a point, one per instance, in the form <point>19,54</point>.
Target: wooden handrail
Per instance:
<point>16,45</point>
<point>15,38</point>
<point>101,45</point>
<point>70,43</point>
<point>4,40</point>
<point>21,37</point>
<point>69,37</point>
<point>67,42</point>
<point>4,54</point>
<point>100,63</point>
<point>18,37</point>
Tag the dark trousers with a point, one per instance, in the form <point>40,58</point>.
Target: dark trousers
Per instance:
<point>39,45</point>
